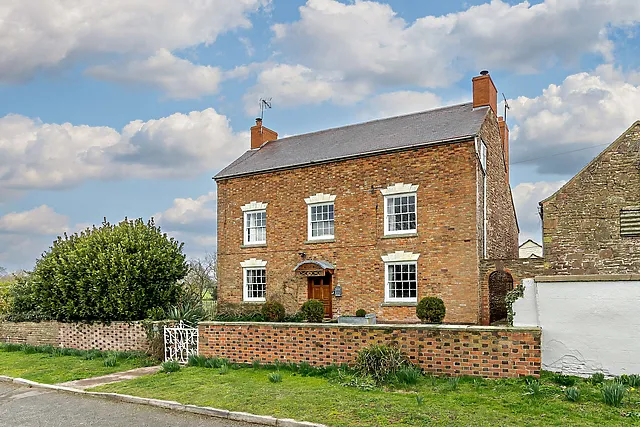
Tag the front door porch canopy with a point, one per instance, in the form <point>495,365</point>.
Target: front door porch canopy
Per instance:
<point>314,268</point>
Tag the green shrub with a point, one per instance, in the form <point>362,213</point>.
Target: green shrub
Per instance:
<point>197,360</point>
<point>452,383</point>
<point>256,364</point>
<point>273,311</point>
<point>170,366</point>
<point>313,311</point>
<point>293,318</point>
<point>110,360</point>
<point>634,381</point>
<point>572,394</point>
<point>156,314</point>
<point>361,313</point>
<point>533,388</point>
<point>613,393</point>
<point>380,362</point>
<point>230,312</point>
<point>597,378</point>
<point>564,380</point>
<point>109,273</point>
<point>431,310</point>
<point>275,377</point>
<point>408,375</point>
<point>190,312</point>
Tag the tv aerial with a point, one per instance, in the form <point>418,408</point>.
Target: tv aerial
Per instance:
<point>506,106</point>
<point>264,103</point>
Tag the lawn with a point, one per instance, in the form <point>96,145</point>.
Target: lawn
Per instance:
<point>473,402</point>
<point>52,367</point>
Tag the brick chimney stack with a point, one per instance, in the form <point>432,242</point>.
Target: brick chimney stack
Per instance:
<point>485,92</point>
<point>504,137</point>
<point>261,134</point>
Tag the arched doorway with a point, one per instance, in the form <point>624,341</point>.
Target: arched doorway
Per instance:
<point>500,282</point>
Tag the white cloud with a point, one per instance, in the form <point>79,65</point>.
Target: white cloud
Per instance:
<point>526,197</point>
<point>177,77</point>
<point>586,110</point>
<point>41,155</point>
<point>187,214</point>
<point>34,37</point>
<point>401,102</point>
<point>292,85</point>
<point>368,43</point>
<point>40,220</point>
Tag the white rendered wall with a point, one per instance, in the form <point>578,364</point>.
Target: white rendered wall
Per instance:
<point>587,327</point>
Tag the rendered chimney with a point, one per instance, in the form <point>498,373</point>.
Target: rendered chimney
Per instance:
<point>504,137</point>
<point>261,134</point>
<point>485,92</point>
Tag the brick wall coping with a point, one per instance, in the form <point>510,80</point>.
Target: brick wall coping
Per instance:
<point>472,328</point>
<point>589,278</point>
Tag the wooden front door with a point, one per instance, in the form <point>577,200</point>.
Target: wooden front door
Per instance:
<point>320,289</point>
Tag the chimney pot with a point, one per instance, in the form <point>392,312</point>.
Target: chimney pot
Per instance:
<point>484,73</point>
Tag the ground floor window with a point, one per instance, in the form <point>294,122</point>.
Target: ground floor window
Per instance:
<point>401,282</point>
<point>255,284</point>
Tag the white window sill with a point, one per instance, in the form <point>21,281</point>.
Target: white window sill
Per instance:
<point>401,235</point>
<point>254,301</point>
<point>399,304</point>
<point>254,245</point>
<point>323,240</point>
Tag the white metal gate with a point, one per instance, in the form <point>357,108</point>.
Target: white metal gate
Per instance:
<point>180,342</point>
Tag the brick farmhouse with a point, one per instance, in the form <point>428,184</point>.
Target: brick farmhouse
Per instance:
<point>371,216</point>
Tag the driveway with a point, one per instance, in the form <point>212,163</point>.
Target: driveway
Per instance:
<point>32,407</point>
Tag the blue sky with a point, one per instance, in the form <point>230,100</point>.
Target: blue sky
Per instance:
<point>129,108</point>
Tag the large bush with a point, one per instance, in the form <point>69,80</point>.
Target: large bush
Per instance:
<point>313,311</point>
<point>380,362</point>
<point>273,311</point>
<point>431,310</point>
<point>108,273</point>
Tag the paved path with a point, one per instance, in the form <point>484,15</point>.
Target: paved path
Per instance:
<point>32,407</point>
<point>111,378</point>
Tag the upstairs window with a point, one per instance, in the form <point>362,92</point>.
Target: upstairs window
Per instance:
<point>400,209</point>
<point>482,154</point>
<point>321,216</point>
<point>255,223</point>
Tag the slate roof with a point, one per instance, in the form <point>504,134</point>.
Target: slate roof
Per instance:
<point>395,133</point>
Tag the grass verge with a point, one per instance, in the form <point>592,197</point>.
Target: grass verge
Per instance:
<point>51,365</point>
<point>431,401</point>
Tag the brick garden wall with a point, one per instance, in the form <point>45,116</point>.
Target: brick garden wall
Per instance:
<point>34,333</point>
<point>117,336</point>
<point>443,350</point>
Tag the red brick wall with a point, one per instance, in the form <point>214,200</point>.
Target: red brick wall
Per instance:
<point>442,350</point>
<point>117,336</point>
<point>446,238</point>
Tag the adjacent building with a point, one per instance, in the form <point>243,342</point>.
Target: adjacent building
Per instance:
<point>530,249</point>
<point>375,215</point>
<point>592,224</point>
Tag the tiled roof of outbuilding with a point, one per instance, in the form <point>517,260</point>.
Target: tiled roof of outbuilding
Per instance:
<point>395,133</point>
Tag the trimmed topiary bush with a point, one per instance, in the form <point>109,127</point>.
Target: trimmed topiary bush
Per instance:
<point>431,310</point>
<point>361,313</point>
<point>273,311</point>
<point>313,311</point>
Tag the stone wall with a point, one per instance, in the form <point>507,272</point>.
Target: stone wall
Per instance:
<point>34,333</point>
<point>581,222</point>
<point>442,350</point>
<point>117,336</point>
